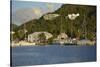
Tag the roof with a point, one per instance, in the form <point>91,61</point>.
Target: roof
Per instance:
<point>36,34</point>
<point>50,16</point>
<point>62,35</point>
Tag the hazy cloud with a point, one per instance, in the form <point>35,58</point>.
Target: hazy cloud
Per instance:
<point>37,11</point>
<point>50,6</point>
<point>22,15</point>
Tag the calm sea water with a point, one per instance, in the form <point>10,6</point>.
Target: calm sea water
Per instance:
<point>52,54</point>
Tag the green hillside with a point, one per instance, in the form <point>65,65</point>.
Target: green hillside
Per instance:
<point>84,23</point>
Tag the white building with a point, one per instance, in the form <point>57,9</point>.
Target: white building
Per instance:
<point>62,38</point>
<point>50,16</point>
<point>85,42</point>
<point>34,37</point>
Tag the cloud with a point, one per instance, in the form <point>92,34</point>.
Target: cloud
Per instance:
<point>21,16</point>
<point>37,11</point>
<point>50,6</point>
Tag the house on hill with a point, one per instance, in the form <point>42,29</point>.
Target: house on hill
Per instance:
<point>50,16</point>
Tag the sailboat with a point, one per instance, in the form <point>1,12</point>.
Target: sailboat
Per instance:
<point>72,41</point>
<point>84,40</point>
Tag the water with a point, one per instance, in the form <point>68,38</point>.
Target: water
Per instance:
<point>52,54</point>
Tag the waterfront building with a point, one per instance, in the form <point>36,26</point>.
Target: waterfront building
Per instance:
<point>34,37</point>
<point>61,38</point>
<point>85,42</point>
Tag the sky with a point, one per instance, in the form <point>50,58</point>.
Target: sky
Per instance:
<point>23,11</point>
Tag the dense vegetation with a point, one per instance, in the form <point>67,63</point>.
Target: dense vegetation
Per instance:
<point>62,24</point>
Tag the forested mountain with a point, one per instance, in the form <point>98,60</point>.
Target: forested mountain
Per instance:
<point>13,27</point>
<point>84,23</point>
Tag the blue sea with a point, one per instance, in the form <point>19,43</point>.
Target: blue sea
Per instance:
<point>51,54</point>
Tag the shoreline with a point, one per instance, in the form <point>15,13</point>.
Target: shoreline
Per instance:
<point>50,45</point>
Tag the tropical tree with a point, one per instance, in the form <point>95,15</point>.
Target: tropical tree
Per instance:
<point>42,38</point>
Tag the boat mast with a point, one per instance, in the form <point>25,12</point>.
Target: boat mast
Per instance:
<point>84,26</point>
<point>61,25</point>
<point>25,31</point>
